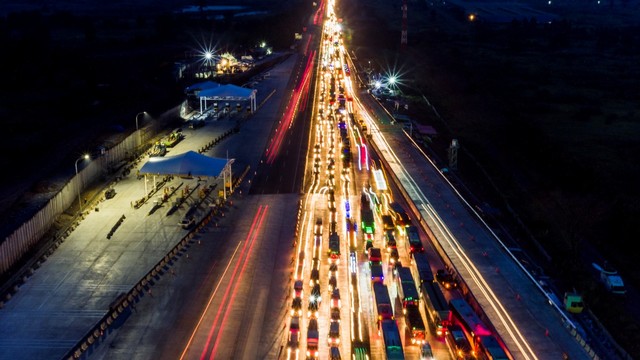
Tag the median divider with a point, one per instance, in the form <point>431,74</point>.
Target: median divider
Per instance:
<point>116,226</point>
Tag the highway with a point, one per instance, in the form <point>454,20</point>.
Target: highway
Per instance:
<point>230,292</point>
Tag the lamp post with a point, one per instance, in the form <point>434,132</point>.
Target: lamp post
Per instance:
<point>138,128</point>
<point>83,157</point>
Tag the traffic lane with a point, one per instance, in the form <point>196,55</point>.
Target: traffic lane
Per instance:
<point>265,179</point>
<point>254,311</point>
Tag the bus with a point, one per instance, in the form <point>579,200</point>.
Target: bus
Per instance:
<point>407,291</point>
<point>415,325</point>
<point>383,302</point>
<point>436,307</point>
<point>468,319</point>
<point>391,340</point>
<point>489,348</point>
<point>421,269</point>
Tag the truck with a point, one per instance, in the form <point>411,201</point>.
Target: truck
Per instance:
<point>415,325</point>
<point>414,242</point>
<point>312,339</point>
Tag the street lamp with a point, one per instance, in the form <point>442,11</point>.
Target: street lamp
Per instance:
<point>83,157</point>
<point>138,128</point>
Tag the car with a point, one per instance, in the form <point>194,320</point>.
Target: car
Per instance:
<point>335,298</point>
<point>390,240</point>
<point>296,307</point>
<point>195,124</point>
<point>426,353</point>
<point>375,256</point>
<point>334,353</point>
<point>334,333</point>
<point>333,283</point>
<point>188,222</point>
<point>397,265</point>
<point>446,279</point>
<point>459,344</point>
<point>313,309</point>
<point>393,256</point>
<point>315,294</point>
<point>297,289</point>
<point>368,245</point>
<point>315,277</point>
<point>335,314</point>
<point>110,193</point>
<point>294,332</point>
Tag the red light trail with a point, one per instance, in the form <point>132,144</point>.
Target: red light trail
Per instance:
<point>231,287</point>
<point>300,95</point>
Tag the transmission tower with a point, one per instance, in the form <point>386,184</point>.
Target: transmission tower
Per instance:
<point>453,154</point>
<point>403,37</point>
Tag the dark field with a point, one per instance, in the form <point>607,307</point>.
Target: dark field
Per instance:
<point>549,122</point>
<point>76,73</point>
<point>547,114</point>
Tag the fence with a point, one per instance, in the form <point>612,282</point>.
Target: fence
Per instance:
<point>29,234</point>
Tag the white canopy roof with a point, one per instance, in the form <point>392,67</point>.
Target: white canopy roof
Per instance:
<point>190,163</point>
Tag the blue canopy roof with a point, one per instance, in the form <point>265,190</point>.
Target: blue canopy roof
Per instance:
<point>202,86</point>
<point>190,163</point>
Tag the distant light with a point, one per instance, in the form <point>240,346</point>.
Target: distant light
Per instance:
<point>263,44</point>
<point>392,80</point>
<point>208,55</point>
<point>377,84</point>
<point>473,16</point>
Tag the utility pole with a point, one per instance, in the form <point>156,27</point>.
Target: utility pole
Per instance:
<point>453,154</point>
<point>403,37</point>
